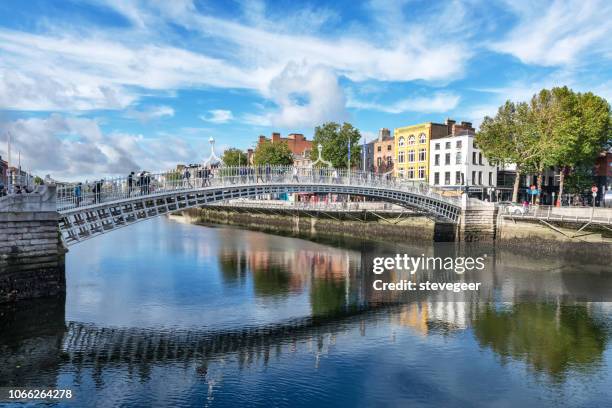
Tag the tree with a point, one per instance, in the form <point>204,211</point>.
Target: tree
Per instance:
<point>509,138</point>
<point>276,154</point>
<point>335,141</point>
<point>234,157</point>
<point>580,179</point>
<point>38,181</point>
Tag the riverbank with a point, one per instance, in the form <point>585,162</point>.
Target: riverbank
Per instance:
<point>524,236</point>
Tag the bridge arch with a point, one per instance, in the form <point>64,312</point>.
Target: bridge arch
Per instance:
<point>112,208</point>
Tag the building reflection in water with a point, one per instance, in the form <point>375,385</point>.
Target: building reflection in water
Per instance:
<point>36,343</point>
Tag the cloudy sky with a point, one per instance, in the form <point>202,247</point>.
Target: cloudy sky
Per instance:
<point>101,87</point>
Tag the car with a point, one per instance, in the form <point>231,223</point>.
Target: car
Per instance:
<point>607,199</point>
<point>515,209</point>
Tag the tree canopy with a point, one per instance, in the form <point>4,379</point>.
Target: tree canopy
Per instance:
<point>276,154</point>
<point>334,138</point>
<point>234,157</point>
<point>558,127</point>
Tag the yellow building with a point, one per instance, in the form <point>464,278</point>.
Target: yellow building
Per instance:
<point>412,147</point>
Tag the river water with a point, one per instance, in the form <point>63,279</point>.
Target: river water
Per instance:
<point>165,313</point>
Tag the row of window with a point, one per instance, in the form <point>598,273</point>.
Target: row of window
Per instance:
<point>389,161</point>
<point>458,158</point>
<point>401,157</point>
<point>460,178</point>
<point>410,172</point>
<point>379,148</point>
<point>401,142</point>
<point>447,145</point>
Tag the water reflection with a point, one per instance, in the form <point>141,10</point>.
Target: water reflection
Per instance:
<point>250,317</point>
<point>551,337</point>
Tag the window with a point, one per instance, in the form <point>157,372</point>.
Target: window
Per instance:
<point>437,146</point>
<point>411,139</point>
<point>378,148</point>
<point>411,156</point>
<point>447,145</point>
<point>422,138</point>
<point>401,173</point>
<point>411,173</point>
<point>388,147</point>
<point>458,178</point>
<point>437,160</point>
<point>401,141</point>
<point>473,178</point>
<point>421,172</point>
<point>389,161</point>
<point>436,179</point>
<point>447,159</point>
<point>490,178</point>
<point>480,158</point>
<point>422,154</point>
<point>447,178</point>
<point>474,158</point>
<point>379,162</point>
<point>458,158</point>
<point>401,156</point>
<point>480,178</point>
<point>458,144</point>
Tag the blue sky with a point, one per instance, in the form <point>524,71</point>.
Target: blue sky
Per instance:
<point>103,87</point>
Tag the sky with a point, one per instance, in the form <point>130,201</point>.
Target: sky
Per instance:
<point>94,88</point>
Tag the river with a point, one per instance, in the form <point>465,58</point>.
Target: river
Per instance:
<point>165,313</point>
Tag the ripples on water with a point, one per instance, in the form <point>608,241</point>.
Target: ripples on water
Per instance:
<point>165,313</point>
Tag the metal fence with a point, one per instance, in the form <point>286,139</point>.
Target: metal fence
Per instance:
<point>146,184</point>
<point>596,215</point>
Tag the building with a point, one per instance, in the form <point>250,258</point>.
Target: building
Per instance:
<point>412,145</point>
<point>296,141</point>
<point>367,163</point>
<point>302,160</point>
<point>384,152</point>
<point>603,172</point>
<point>456,163</point>
<point>3,171</point>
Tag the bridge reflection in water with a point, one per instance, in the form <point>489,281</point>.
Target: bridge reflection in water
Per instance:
<point>307,322</point>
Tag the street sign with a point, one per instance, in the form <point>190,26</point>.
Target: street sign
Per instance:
<point>594,189</point>
<point>532,191</point>
<point>533,187</point>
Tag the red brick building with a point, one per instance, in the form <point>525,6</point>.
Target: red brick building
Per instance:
<point>296,141</point>
<point>603,171</point>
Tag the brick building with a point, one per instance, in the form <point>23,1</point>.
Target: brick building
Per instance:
<point>297,143</point>
<point>383,155</point>
<point>3,171</point>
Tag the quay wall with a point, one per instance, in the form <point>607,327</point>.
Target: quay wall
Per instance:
<point>31,251</point>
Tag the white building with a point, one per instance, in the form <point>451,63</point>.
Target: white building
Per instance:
<point>455,162</point>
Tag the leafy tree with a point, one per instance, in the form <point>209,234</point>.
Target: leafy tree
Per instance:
<point>572,129</point>
<point>234,157</point>
<point>508,138</point>
<point>38,181</point>
<point>276,154</point>
<point>335,140</point>
<point>580,179</point>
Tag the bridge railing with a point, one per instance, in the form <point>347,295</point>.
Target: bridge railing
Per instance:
<point>146,184</point>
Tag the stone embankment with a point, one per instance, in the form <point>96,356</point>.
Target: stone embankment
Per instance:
<point>31,252</point>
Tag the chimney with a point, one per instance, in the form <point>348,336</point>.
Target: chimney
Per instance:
<point>467,125</point>
<point>262,139</point>
<point>275,137</point>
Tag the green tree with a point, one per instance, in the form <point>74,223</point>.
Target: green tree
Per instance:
<point>335,140</point>
<point>508,138</point>
<point>234,157</point>
<point>38,181</point>
<point>580,179</point>
<point>276,154</point>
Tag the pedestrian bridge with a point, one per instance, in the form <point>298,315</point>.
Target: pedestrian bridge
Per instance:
<point>95,208</point>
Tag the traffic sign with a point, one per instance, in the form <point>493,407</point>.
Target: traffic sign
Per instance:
<point>533,187</point>
<point>594,189</point>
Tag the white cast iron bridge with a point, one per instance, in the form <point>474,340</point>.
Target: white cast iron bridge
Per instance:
<point>104,206</point>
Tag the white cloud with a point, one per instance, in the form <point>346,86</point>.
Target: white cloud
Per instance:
<point>76,148</point>
<point>438,103</point>
<point>560,34</point>
<point>305,95</point>
<point>154,112</point>
<point>218,116</point>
